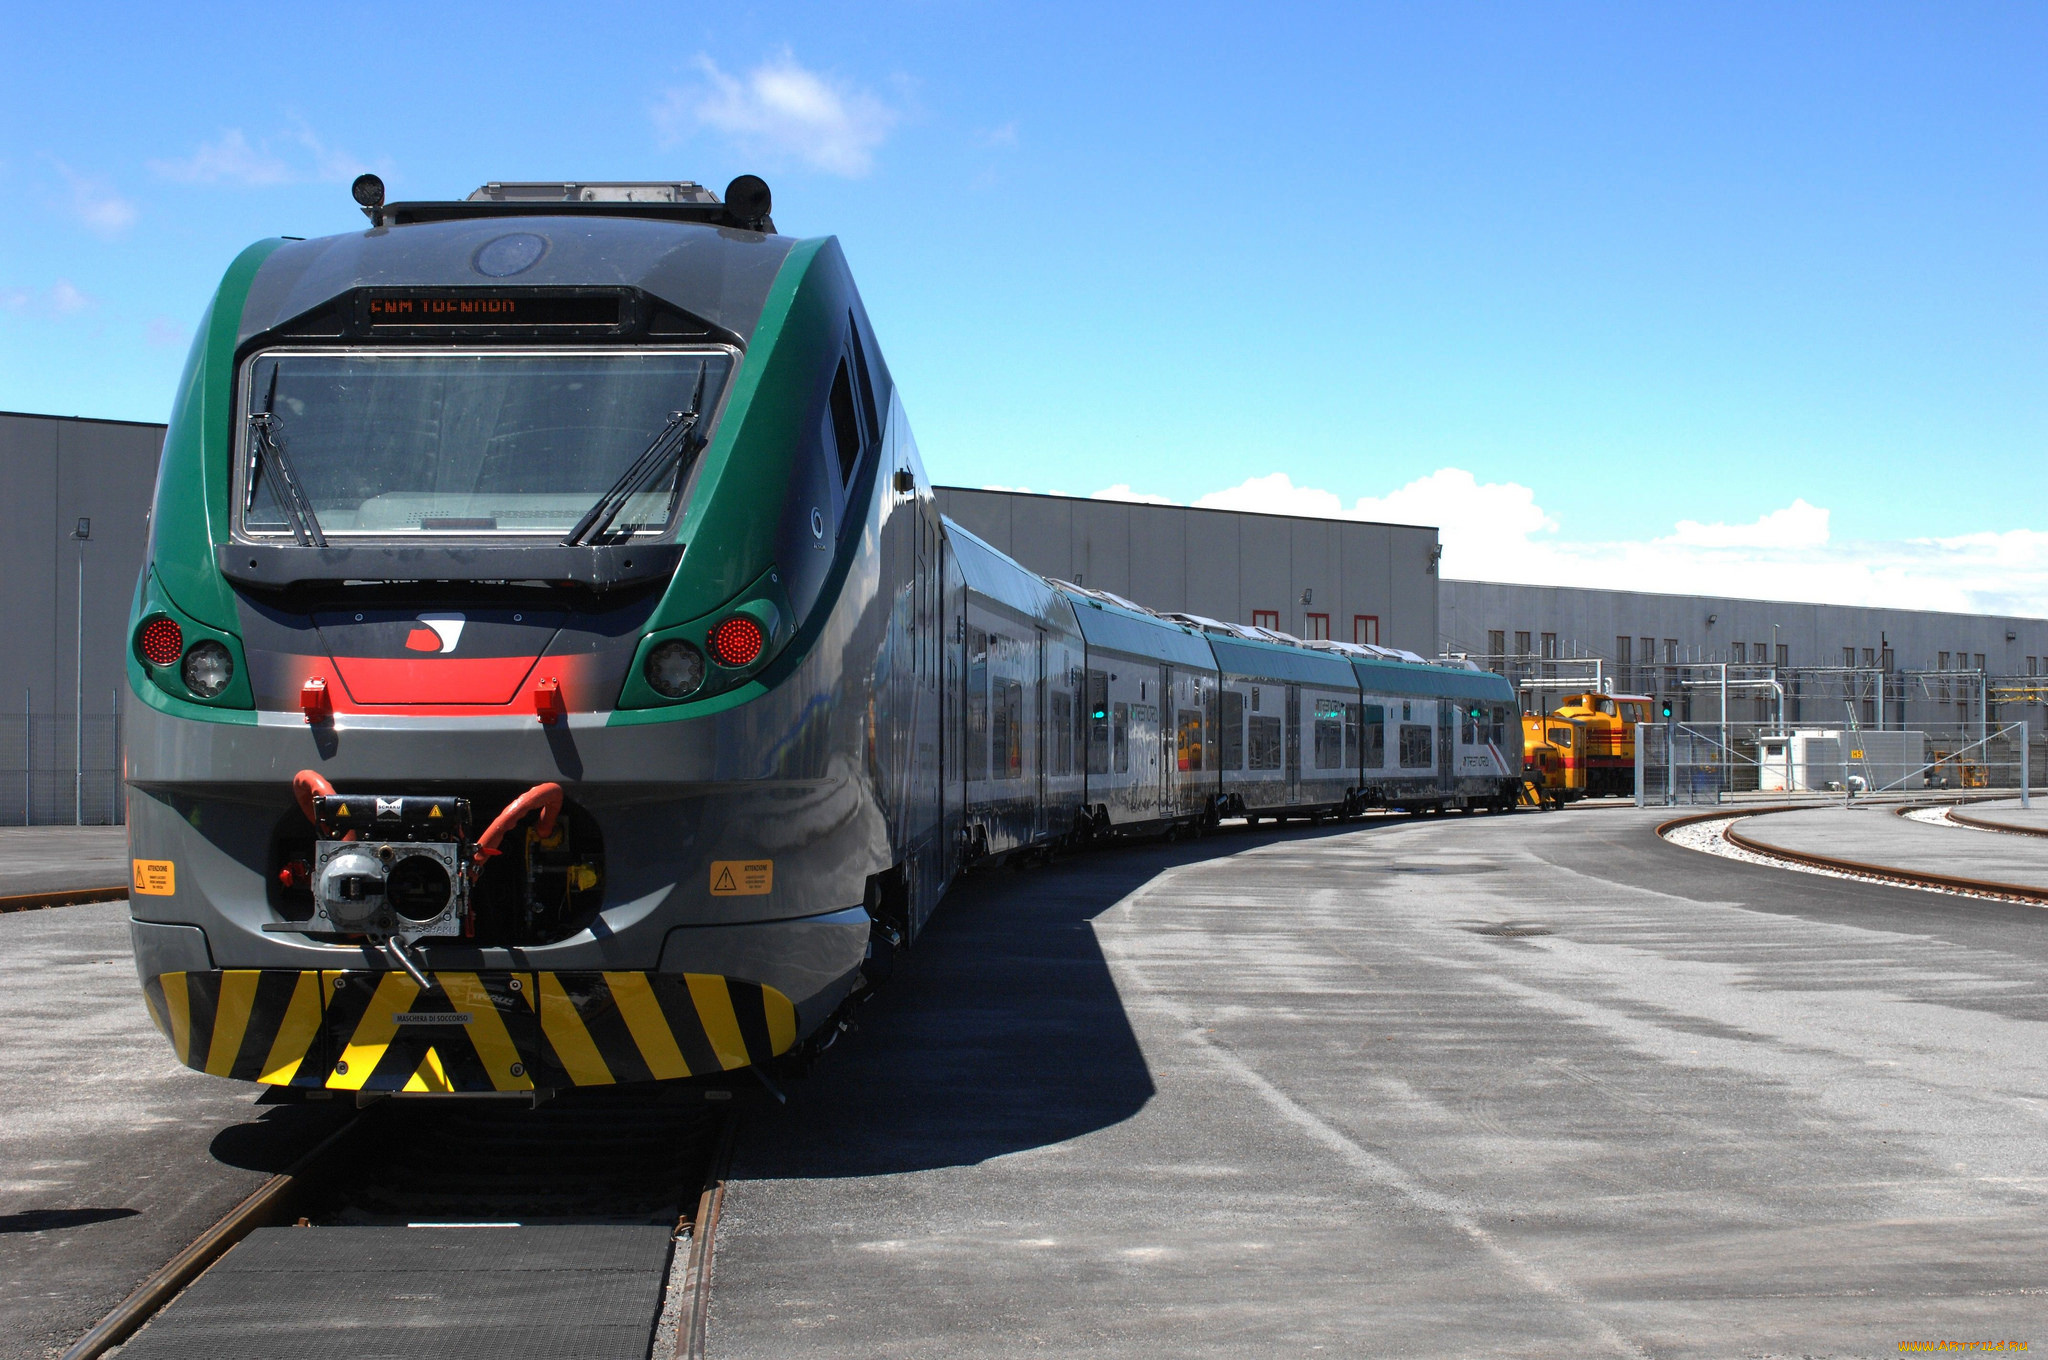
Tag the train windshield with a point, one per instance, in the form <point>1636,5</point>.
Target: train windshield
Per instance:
<point>472,444</point>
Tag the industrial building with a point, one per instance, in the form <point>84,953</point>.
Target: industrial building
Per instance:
<point>74,527</point>
<point>1314,578</point>
<point>1720,659</point>
<point>78,495</point>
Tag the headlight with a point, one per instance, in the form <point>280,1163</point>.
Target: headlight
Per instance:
<point>208,668</point>
<point>675,669</point>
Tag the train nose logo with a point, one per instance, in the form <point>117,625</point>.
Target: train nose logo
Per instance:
<point>435,633</point>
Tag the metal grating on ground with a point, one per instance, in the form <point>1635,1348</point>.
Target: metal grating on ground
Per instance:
<point>569,1292</point>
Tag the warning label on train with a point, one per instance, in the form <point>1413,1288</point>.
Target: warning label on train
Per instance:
<point>156,877</point>
<point>741,877</point>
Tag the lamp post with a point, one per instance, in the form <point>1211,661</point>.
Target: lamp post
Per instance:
<point>81,533</point>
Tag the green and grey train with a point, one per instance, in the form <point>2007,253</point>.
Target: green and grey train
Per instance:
<point>550,666</point>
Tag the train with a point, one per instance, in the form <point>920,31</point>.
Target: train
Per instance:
<point>1608,724</point>
<point>551,668</point>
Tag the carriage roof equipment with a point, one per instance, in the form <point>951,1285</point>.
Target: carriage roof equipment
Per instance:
<point>746,204</point>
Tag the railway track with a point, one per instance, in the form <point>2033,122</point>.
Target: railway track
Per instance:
<point>1863,869</point>
<point>628,1158</point>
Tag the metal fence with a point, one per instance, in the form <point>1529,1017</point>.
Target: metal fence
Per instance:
<point>1688,763</point>
<point>58,771</point>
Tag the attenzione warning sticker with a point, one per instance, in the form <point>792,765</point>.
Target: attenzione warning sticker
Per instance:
<point>741,877</point>
<point>156,877</point>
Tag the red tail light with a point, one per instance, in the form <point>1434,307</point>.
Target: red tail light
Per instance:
<point>736,641</point>
<point>163,642</point>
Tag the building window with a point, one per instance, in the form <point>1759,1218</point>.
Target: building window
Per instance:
<point>1849,658</point>
<point>1521,644</point>
<point>1738,654</point>
<point>1266,618</point>
<point>1869,657</point>
<point>1941,661</point>
<point>1318,626</point>
<point>1671,651</point>
<point>1888,652</point>
<point>1496,643</point>
<point>1550,646</point>
<point>1784,653</point>
<point>1889,658</point>
<point>2030,667</point>
<point>1365,629</point>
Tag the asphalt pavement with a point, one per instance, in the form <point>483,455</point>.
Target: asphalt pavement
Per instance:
<point>62,858</point>
<point>1875,834</point>
<point>1539,1085</point>
<point>113,1156</point>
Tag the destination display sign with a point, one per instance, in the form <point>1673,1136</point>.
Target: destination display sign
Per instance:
<point>465,310</point>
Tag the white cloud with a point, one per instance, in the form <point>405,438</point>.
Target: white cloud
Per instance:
<point>1001,137</point>
<point>60,300</point>
<point>163,333</point>
<point>96,203</point>
<point>1497,531</point>
<point>782,109</point>
<point>1122,492</point>
<point>299,156</point>
<point>1798,525</point>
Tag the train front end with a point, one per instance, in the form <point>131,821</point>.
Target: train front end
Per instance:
<point>487,726</point>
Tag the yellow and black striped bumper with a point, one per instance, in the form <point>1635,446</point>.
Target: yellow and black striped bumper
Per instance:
<point>368,1031</point>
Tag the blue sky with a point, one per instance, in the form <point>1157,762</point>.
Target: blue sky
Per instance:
<point>1731,296</point>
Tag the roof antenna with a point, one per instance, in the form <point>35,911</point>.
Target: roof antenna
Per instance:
<point>368,191</point>
<point>747,203</point>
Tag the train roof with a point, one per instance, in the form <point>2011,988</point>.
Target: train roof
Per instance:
<point>996,576</point>
<point>1401,677</point>
<point>717,273</point>
<point>1114,623</point>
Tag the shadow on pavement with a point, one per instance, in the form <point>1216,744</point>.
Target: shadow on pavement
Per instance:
<point>51,1220</point>
<point>1002,1030</point>
<point>279,1136</point>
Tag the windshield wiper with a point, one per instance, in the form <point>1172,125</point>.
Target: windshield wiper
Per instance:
<point>671,450</point>
<point>284,485</point>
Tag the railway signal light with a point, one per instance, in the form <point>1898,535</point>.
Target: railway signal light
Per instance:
<point>1667,710</point>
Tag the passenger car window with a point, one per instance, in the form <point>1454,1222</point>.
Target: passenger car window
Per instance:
<point>1329,734</point>
<point>1120,738</point>
<point>1188,740</point>
<point>1233,730</point>
<point>977,704</point>
<point>1098,722</point>
<point>1264,749</point>
<point>1417,746</point>
<point>843,423</point>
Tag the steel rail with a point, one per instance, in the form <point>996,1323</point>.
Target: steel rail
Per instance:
<point>693,1329</point>
<point>62,897</point>
<point>1884,872</point>
<point>272,1202</point>
<point>1979,824</point>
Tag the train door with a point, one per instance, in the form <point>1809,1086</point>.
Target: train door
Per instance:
<point>1293,744</point>
<point>1043,747</point>
<point>1446,745</point>
<point>1165,789</point>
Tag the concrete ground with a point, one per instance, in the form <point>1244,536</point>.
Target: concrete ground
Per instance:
<point>55,858</point>
<point>1541,1085</point>
<point>113,1156</point>
<point>1875,834</point>
<point>2011,813</point>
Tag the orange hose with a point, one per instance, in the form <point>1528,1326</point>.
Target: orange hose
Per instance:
<point>545,798</point>
<point>306,785</point>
